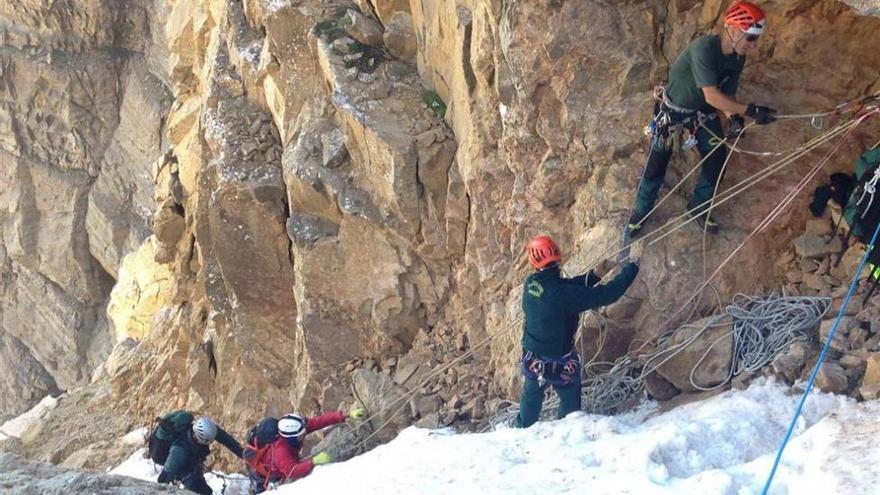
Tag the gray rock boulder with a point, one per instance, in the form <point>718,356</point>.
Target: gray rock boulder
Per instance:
<point>716,343</point>
<point>25,477</point>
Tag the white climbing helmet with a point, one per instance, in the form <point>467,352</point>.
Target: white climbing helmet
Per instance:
<point>204,431</point>
<point>291,426</point>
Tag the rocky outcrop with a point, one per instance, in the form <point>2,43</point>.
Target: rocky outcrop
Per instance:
<point>82,118</point>
<point>706,362</point>
<point>18,475</point>
<point>246,198</point>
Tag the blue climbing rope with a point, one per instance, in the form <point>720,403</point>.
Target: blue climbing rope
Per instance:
<point>828,340</point>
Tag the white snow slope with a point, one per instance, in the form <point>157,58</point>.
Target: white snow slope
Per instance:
<point>723,445</point>
<point>16,426</point>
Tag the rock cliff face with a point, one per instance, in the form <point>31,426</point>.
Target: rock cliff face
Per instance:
<point>246,200</point>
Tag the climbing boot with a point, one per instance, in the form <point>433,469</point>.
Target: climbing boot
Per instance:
<point>710,225</point>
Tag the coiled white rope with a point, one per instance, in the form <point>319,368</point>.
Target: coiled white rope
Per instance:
<point>762,328</point>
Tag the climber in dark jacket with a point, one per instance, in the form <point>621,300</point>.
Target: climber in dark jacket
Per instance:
<point>185,462</point>
<point>552,305</point>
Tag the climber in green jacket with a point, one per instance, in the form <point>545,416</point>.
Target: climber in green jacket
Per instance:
<point>702,83</point>
<point>552,305</point>
<point>189,451</point>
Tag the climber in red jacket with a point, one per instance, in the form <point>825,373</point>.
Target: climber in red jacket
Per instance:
<point>279,460</point>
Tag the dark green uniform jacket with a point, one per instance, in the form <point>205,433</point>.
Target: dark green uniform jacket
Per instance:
<point>186,455</point>
<point>703,64</point>
<point>552,303</point>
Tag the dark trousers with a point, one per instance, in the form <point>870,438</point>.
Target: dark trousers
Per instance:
<point>658,160</point>
<point>533,398</point>
<point>195,482</point>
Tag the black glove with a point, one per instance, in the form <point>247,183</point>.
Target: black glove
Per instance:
<point>735,126</point>
<point>762,115</point>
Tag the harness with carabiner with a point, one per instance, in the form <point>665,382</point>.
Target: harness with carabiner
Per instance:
<point>557,371</point>
<point>671,121</point>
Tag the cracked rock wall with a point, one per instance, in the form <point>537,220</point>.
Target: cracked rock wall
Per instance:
<point>248,200</point>
<point>81,119</point>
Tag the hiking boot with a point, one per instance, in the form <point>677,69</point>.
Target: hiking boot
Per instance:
<point>633,226</point>
<point>710,225</point>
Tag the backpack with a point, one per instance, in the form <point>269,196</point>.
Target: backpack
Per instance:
<point>862,211</point>
<point>171,427</point>
<point>259,439</point>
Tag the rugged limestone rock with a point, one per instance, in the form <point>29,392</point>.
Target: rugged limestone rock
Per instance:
<point>708,357</point>
<point>400,38</point>
<point>831,378</point>
<point>362,28</point>
<point>18,475</point>
<point>660,388</point>
<point>81,116</point>
<point>271,199</point>
<point>812,246</point>
<point>790,363</point>
<point>25,380</point>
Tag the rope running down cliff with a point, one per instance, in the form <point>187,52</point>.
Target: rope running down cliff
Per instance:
<point>845,129</point>
<point>605,391</point>
<point>762,327</point>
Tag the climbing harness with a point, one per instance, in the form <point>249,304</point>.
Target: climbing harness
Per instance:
<point>670,122</point>
<point>556,371</point>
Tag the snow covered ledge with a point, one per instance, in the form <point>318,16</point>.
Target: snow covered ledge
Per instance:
<point>16,427</point>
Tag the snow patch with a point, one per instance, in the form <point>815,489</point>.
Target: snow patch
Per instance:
<point>136,437</point>
<point>138,466</point>
<point>15,427</point>
<point>273,6</point>
<point>723,445</point>
<point>251,54</point>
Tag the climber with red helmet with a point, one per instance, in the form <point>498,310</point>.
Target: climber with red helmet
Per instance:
<point>552,305</point>
<point>702,82</point>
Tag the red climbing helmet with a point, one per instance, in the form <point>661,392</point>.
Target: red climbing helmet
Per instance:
<point>745,16</point>
<point>542,251</point>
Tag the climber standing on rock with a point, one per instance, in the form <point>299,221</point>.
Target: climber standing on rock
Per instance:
<point>702,82</point>
<point>184,449</point>
<point>552,305</point>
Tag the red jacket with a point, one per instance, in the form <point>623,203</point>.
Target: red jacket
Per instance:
<point>282,459</point>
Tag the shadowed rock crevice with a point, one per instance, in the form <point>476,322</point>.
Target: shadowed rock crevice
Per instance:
<point>337,194</point>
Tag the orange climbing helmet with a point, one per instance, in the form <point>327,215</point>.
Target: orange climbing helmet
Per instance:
<point>543,251</point>
<point>747,17</point>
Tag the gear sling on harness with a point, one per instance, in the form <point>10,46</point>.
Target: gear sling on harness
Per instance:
<point>557,371</point>
<point>670,121</point>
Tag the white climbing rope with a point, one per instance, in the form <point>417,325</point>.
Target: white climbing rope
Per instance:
<point>762,328</point>
<point>675,224</point>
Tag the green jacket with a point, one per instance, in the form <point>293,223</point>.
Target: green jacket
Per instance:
<point>186,455</point>
<point>552,304</point>
<point>701,64</point>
